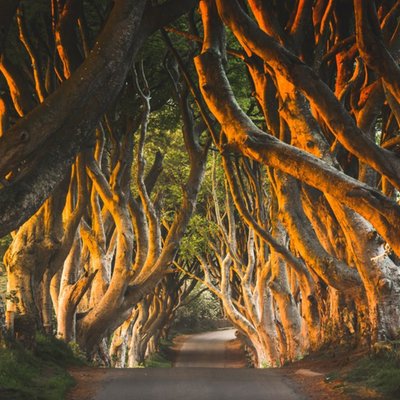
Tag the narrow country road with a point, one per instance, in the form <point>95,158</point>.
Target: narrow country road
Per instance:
<point>209,350</point>
<point>203,371</point>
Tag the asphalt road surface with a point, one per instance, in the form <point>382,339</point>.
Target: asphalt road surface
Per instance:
<point>201,372</point>
<point>208,350</point>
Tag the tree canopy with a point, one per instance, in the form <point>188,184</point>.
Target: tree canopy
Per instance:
<point>278,119</point>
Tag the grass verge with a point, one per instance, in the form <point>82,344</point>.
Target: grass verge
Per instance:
<point>381,374</point>
<point>39,374</point>
<point>377,373</point>
<point>163,357</point>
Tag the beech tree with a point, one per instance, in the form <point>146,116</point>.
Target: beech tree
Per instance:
<point>310,115</point>
<point>301,100</point>
<point>41,272</point>
<point>323,126</point>
<point>79,103</point>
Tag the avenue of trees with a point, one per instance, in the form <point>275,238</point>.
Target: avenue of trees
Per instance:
<point>252,146</point>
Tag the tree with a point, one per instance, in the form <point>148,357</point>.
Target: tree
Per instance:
<point>66,120</point>
<point>307,127</point>
<point>302,246</point>
<point>40,269</point>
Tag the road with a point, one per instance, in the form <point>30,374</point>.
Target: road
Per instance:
<point>201,373</point>
<point>208,350</point>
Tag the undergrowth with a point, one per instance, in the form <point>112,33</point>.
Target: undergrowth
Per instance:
<point>162,358</point>
<point>36,375</point>
<point>379,371</point>
<point>382,374</point>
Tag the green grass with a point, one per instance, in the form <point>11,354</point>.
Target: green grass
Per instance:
<point>157,360</point>
<point>161,359</point>
<point>378,372</point>
<point>38,375</point>
<point>382,374</point>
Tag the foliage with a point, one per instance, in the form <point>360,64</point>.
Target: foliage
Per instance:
<point>157,360</point>
<point>238,76</point>
<point>162,358</point>
<point>78,353</point>
<point>380,374</point>
<point>379,371</point>
<point>175,172</point>
<point>199,232</point>
<point>38,375</point>
<point>4,243</point>
<point>200,312</point>
<point>53,350</point>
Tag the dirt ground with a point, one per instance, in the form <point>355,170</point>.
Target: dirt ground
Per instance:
<point>88,381</point>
